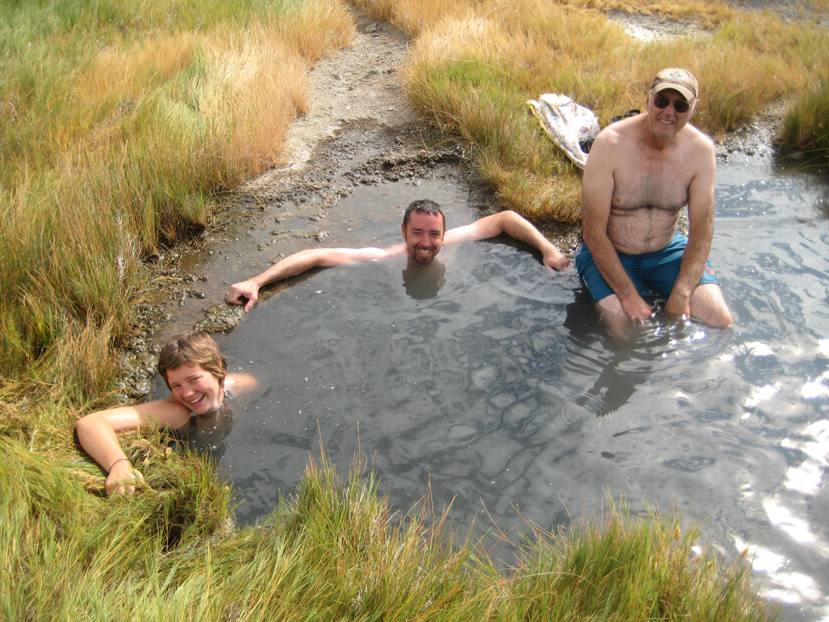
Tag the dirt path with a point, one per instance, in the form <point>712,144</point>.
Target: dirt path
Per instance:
<point>360,82</point>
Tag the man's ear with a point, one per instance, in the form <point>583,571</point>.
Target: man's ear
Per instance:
<point>403,231</point>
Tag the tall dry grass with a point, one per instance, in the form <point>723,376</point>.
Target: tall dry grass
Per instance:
<point>121,122</point>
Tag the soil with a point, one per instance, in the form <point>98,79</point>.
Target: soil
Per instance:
<point>361,129</point>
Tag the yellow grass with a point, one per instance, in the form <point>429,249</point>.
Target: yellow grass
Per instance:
<point>319,27</point>
<point>474,65</point>
<point>256,88</point>
<point>114,139</point>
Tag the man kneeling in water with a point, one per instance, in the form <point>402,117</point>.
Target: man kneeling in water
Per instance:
<point>424,233</point>
<point>640,173</point>
<point>196,374</point>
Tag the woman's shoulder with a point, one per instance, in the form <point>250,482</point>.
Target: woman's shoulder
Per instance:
<point>240,383</point>
<point>166,412</point>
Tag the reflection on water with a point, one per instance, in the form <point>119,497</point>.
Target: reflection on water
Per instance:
<point>495,381</point>
<point>424,281</point>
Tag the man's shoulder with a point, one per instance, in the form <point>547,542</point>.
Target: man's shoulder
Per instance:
<point>619,133</point>
<point>612,133</point>
<point>698,139</point>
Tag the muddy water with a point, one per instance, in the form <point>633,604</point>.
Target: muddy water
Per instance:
<point>492,379</point>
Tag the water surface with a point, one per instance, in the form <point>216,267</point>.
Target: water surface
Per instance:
<point>493,380</point>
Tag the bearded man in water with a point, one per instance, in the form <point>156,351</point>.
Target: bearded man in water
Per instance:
<point>640,173</point>
<point>424,234</point>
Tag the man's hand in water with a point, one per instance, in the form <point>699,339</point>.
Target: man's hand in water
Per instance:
<point>242,290</point>
<point>636,308</point>
<point>677,307</point>
<point>555,260</point>
<point>122,479</point>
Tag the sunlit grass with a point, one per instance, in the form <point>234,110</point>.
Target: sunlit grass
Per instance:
<point>119,122</point>
<point>618,568</point>
<point>474,64</point>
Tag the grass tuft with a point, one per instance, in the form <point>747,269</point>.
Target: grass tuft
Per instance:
<point>805,130</point>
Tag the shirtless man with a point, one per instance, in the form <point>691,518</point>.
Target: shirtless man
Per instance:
<point>641,172</point>
<point>424,233</point>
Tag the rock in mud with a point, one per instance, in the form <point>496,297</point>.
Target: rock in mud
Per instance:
<point>220,318</point>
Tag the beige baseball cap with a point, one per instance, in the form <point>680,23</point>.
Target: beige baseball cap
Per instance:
<point>680,80</point>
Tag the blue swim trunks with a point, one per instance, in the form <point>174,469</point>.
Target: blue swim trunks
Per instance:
<point>651,273</point>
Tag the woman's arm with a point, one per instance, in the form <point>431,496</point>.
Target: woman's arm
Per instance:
<point>97,434</point>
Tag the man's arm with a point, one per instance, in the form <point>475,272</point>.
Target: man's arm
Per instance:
<point>301,262</point>
<point>516,227</point>
<point>700,232</point>
<point>597,194</point>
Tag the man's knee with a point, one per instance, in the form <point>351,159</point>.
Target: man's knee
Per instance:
<point>720,318</point>
<point>619,326</point>
<point>708,305</point>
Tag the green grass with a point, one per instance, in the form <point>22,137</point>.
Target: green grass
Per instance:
<point>805,130</point>
<point>333,551</point>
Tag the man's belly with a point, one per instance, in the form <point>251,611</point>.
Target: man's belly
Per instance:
<point>641,230</point>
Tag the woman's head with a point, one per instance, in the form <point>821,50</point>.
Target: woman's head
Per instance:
<point>192,349</point>
<point>194,371</point>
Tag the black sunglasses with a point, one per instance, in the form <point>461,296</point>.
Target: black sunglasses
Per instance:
<point>661,100</point>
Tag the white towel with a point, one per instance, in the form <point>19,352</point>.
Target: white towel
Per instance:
<point>566,123</point>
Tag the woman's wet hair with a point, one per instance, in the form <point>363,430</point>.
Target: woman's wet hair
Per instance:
<point>423,206</point>
<point>192,348</point>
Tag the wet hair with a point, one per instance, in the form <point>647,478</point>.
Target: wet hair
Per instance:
<point>192,348</point>
<point>423,206</point>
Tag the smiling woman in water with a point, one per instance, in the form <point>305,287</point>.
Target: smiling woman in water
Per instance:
<point>195,372</point>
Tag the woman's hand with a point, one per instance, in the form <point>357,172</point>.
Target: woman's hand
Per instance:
<point>122,479</point>
<point>553,258</point>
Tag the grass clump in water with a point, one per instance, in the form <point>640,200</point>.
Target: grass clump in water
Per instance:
<point>805,129</point>
<point>630,569</point>
<point>474,64</point>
